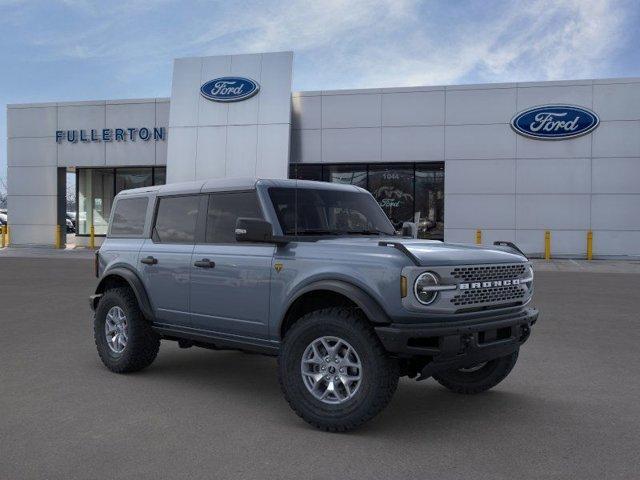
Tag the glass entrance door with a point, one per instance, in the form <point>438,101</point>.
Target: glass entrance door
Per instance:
<point>429,207</point>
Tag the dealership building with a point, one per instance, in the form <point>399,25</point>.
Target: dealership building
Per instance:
<point>513,160</point>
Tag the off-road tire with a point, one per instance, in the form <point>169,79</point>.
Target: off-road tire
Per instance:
<point>142,344</point>
<point>480,380</point>
<point>379,372</point>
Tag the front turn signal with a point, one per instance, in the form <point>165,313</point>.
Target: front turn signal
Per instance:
<point>403,286</point>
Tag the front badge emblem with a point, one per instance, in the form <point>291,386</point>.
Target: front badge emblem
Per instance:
<point>278,266</point>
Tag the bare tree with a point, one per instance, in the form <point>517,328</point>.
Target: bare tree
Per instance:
<point>71,196</point>
<point>3,193</point>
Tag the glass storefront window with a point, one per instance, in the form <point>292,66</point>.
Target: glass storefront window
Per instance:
<point>410,192</point>
<point>97,188</point>
<point>392,186</point>
<point>349,174</point>
<point>159,176</point>
<point>95,196</point>
<point>300,171</point>
<point>429,210</point>
<point>127,178</point>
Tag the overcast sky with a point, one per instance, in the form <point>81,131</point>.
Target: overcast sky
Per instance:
<point>83,49</point>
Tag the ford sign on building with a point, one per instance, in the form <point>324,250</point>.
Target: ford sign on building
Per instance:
<point>555,122</point>
<point>515,161</point>
<point>229,89</point>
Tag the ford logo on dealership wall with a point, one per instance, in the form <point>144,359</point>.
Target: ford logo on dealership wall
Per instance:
<point>229,89</point>
<point>554,122</point>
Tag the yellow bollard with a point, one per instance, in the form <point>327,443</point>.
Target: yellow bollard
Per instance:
<point>589,245</point>
<point>92,237</point>
<point>58,237</point>
<point>547,245</point>
<point>6,229</point>
<point>478,237</point>
<point>3,233</point>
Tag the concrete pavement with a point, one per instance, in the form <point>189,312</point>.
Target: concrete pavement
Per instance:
<point>568,410</point>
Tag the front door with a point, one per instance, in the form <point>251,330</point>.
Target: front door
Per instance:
<point>165,259</point>
<point>230,282</point>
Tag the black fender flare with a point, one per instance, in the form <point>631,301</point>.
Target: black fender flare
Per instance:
<point>362,299</point>
<point>134,283</point>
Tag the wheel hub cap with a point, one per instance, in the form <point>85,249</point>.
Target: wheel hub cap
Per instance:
<point>116,329</point>
<point>331,370</point>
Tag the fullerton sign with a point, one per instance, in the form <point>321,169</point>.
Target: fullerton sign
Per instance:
<point>555,122</point>
<point>111,135</point>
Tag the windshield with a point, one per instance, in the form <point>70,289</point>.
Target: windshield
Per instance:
<point>310,211</point>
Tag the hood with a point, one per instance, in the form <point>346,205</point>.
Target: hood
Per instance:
<point>433,252</point>
<point>438,253</point>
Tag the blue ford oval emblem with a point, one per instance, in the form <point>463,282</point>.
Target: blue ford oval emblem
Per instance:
<point>555,122</point>
<point>229,89</point>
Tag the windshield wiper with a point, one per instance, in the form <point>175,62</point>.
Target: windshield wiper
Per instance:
<point>367,232</point>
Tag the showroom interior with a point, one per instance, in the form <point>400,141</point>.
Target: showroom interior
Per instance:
<point>444,157</point>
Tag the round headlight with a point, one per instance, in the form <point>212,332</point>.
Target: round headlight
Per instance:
<point>422,290</point>
<point>530,277</point>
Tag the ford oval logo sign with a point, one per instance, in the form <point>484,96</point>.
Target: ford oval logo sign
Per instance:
<point>555,122</point>
<point>229,89</point>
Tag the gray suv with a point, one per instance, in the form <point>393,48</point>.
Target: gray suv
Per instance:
<point>314,274</point>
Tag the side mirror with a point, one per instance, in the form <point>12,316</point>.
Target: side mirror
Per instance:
<point>253,230</point>
<point>409,229</point>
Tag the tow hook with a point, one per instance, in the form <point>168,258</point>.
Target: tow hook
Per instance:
<point>466,341</point>
<point>526,331</point>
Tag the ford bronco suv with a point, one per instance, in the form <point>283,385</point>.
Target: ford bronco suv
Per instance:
<point>315,274</point>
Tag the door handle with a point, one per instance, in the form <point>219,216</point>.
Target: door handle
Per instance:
<point>149,260</point>
<point>204,263</point>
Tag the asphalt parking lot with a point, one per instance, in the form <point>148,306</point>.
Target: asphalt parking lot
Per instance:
<point>569,409</point>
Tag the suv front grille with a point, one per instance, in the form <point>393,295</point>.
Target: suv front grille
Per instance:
<point>482,273</point>
<point>489,295</point>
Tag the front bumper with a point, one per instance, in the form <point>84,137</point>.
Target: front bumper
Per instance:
<point>445,346</point>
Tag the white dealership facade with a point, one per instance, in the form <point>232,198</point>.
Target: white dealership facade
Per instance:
<point>445,157</point>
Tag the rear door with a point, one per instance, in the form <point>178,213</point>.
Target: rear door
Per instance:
<point>165,258</point>
<point>230,281</point>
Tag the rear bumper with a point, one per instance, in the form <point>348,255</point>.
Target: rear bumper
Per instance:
<point>456,345</point>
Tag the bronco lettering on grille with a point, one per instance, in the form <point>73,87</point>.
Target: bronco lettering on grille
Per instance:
<point>494,283</point>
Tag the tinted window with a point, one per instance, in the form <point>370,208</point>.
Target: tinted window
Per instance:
<point>128,217</point>
<point>224,210</point>
<point>349,174</point>
<point>430,201</point>
<point>127,178</point>
<point>305,172</point>
<point>176,219</point>
<point>159,176</point>
<point>392,187</point>
<point>307,211</point>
